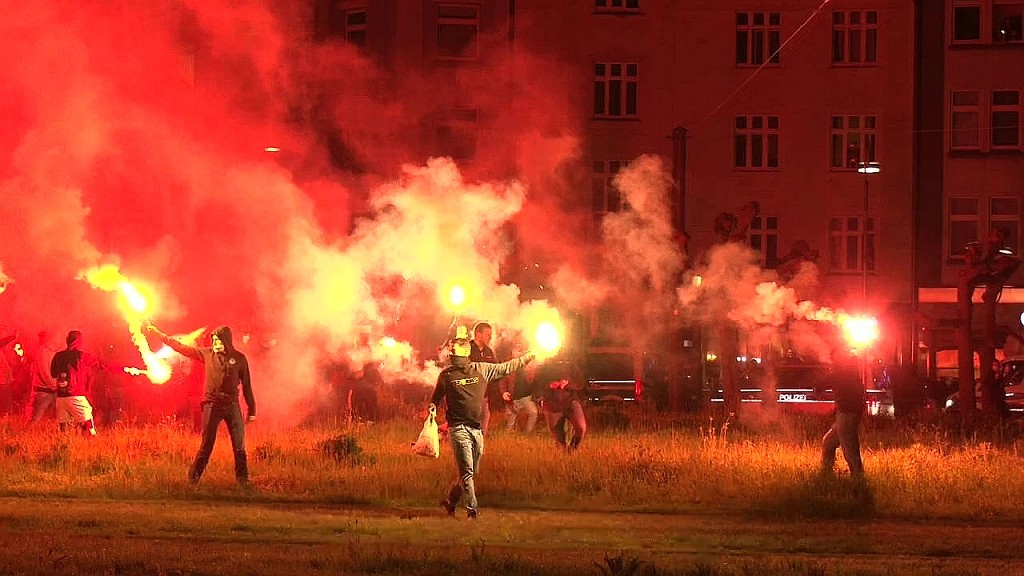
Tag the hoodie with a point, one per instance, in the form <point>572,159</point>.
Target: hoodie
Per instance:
<point>224,370</point>
<point>72,368</point>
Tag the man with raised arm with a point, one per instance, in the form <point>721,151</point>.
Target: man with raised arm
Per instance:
<point>463,386</point>
<point>225,369</point>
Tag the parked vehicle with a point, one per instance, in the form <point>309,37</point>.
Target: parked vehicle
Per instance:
<point>1011,376</point>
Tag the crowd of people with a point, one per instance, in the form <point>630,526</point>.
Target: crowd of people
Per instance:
<point>470,391</point>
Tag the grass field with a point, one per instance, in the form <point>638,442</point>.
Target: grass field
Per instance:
<point>661,497</point>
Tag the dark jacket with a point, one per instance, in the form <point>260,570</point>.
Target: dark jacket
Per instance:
<point>850,394</point>
<point>463,385</point>
<point>73,369</point>
<point>224,370</point>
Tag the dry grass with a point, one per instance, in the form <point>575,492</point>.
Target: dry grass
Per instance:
<point>667,466</point>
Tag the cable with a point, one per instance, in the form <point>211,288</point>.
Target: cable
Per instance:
<point>766,63</point>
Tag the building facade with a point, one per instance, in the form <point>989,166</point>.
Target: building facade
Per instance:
<point>971,157</point>
<point>776,103</point>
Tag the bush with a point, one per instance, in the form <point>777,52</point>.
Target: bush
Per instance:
<point>344,448</point>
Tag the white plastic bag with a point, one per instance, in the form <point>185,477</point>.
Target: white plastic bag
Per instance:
<point>428,444</point>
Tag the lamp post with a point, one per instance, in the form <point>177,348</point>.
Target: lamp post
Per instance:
<point>865,168</point>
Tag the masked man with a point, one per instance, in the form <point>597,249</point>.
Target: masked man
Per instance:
<point>225,368</point>
<point>463,386</point>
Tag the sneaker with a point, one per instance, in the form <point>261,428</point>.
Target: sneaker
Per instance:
<point>471,514</point>
<point>448,508</point>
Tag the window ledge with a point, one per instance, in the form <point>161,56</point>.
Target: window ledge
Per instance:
<point>852,273</point>
<point>756,169</point>
<point>976,44</point>
<point>976,153</point>
<point>615,118</point>
<point>844,65</point>
<point>618,12</point>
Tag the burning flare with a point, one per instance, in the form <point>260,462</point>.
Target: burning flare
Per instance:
<point>543,328</point>
<point>860,331</point>
<point>136,303</point>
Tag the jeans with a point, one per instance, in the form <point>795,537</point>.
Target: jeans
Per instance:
<point>574,416</point>
<point>213,414</point>
<point>39,404</point>
<point>520,405</point>
<point>844,432</point>
<point>468,446</point>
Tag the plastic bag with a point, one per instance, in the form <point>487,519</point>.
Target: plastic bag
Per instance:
<point>428,444</point>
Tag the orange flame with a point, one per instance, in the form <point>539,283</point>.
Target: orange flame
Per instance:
<point>860,331</point>
<point>136,302</point>
<point>543,327</point>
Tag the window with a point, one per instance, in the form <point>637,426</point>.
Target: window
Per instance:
<point>846,236</point>
<point>764,238</point>
<point>457,28</point>
<point>456,134</point>
<point>1004,213</point>
<point>615,90</point>
<point>966,22</point>
<point>965,132</point>
<point>854,140</point>
<point>617,5</point>
<point>606,197</point>
<point>854,38</point>
<point>757,142</point>
<point>758,37</point>
<point>1005,119</point>
<point>963,225</point>
<point>355,27</point>
<point>1008,22</point>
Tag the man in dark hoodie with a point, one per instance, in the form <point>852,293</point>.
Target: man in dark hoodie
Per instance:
<point>850,398</point>
<point>463,386</point>
<point>225,369</point>
<point>72,369</point>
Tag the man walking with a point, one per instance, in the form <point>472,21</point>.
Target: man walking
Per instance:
<point>225,368</point>
<point>850,398</point>
<point>463,387</point>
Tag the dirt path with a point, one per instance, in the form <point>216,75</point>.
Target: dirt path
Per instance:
<point>189,537</point>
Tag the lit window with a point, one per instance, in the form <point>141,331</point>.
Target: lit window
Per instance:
<point>966,22</point>
<point>615,89</point>
<point>963,225</point>
<point>756,142</point>
<point>965,131</point>
<point>854,140</point>
<point>1005,119</point>
<point>854,38</point>
<point>764,239</point>
<point>758,37</point>
<point>458,26</point>
<point>846,236</point>
<point>1008,22</point>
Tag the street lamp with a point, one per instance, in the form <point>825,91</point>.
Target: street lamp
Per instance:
<point>865,168</point>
